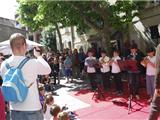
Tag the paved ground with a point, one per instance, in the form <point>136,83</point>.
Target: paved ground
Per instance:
<point>77,97</point>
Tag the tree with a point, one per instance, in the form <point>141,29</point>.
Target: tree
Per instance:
<point>48,38</point>
<point>98,15</point>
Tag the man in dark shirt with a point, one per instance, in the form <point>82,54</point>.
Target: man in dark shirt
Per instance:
<point>135,71</point>
<point>155,106</point>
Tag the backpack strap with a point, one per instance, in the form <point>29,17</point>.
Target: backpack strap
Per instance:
<point>22,63</point>
<point>7,65</point>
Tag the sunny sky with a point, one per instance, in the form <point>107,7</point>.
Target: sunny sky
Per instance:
<point>7,8</point>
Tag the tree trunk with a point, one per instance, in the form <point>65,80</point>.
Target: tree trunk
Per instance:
<point>73,36</point>
<point>106,45</point>
<point>59,36</point>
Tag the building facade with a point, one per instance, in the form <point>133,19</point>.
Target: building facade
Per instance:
<point>8,27</point>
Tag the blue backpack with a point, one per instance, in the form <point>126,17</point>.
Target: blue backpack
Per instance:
<point>13,87</point>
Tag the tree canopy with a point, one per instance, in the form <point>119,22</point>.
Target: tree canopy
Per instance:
<point>98,15</point>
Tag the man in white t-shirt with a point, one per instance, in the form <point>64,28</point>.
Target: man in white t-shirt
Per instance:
<point>90,62</point>
<point>105,70</point>
<point>150,64</point>
<point>31,108</point>
<point>116,72</point>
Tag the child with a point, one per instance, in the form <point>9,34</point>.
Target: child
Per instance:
<point>41,93</point>
<point>63,116</point>
<point>68,67</point>
<point>55,110</point>
<point>61,68</point>
<point>49,100</point>
<point>117,73</point>
<point>90,62</point>
<point>105,70</point>
<point>149,63</point>
<point>55,70</point>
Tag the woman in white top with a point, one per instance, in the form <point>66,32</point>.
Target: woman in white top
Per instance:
<point>117,73</point>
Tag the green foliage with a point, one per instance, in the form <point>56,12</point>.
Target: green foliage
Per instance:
<point>48,38</point>
<point>83,14</point>
<point>123,12</point>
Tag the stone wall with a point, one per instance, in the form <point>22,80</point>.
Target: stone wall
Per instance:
<point>6,31</point>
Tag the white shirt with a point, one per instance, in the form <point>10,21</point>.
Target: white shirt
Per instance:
<point>150,69</point>
<point>105,66</point>
<point>90,69</point>
<point>115,66</point>
<point>47,114</point>
<point>30,71</point>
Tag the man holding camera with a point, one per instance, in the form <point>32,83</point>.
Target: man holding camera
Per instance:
<point>30,108</point>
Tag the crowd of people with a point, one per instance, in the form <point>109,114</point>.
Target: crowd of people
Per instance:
<point>73,65</point>
<point>46,68</point>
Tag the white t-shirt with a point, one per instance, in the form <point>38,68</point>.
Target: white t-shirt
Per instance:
<point>90,69</point>
<point>30,71</point>
<point>47,114</point>
<point>150,69</point>
<point>115,66</point>
<point>105,67</point>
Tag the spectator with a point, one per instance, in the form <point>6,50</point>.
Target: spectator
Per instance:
<point>31,107</point>
<point>68,68</point>
<point>63,116</point>
<point>2,107</point>
<point>49,101</point>
<point>55,70</point>
<point>75,64</point>
<point>81,57</point>
<point>61,67</point>
<point>41,90</point>
<point>55,110</point>
<point>1,60</point>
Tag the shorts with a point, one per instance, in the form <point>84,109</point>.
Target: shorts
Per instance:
<point>68,72</point>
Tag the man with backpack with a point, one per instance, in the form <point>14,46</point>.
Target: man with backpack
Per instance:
<point>19,75</point>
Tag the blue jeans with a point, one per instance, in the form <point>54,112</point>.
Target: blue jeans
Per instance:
<point>26,115</point>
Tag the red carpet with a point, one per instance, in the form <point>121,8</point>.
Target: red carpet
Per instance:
<point>106,110</point>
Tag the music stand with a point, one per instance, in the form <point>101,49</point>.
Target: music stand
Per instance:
<point>128,65</point>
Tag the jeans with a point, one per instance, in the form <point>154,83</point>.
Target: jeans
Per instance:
<point>155,109</point>
<point>106,80</point>
<point>118,82</point>
<point>92,79</point>
<point>134,79</point>
<point>27,115</point>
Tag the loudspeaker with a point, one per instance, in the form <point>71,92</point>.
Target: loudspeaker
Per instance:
<point>154,32</point>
